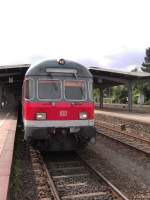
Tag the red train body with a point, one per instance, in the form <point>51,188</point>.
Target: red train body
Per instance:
<point>58,111</point>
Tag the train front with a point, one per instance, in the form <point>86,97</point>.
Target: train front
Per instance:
<point>58,110</point>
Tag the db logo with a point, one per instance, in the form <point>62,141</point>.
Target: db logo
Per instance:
<point>63,113</point>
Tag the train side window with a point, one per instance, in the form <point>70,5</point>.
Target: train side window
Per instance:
<point>90,90</point>
<point>28,89</point>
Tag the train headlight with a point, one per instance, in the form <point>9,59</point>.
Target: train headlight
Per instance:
<point>40,116</point>
<point>83,115</point>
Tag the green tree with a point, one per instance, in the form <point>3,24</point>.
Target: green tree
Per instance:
<point>137,90</point>
<point>146,84</point>
<point>96,95</point>
<point>146,63</point>
<point>119,94</point>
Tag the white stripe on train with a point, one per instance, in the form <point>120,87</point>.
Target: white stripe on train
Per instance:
<point>58,123</point>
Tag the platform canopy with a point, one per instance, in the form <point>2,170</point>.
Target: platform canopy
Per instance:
<point>105,78</point>
<point>12,74</point>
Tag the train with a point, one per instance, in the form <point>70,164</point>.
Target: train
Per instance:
<point>57,105</point>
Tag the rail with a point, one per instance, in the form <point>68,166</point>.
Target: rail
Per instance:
<point>138,143</point>
<point>72,179</point>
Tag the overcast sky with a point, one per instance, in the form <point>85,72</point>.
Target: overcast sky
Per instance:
<point>105,33</point>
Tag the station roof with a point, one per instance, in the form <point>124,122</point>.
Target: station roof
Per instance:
<point>101,76</point>
<point>108,77</point>
<point>14,66</point>
<point>13,70</point>
<point>117,73</point>
<point>13,74</point>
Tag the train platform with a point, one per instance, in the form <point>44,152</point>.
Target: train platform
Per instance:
<point>120,113</point>
<point>8,123</point>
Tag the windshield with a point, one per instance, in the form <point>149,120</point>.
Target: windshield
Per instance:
<point>75,90</point>
<point>49,89</point>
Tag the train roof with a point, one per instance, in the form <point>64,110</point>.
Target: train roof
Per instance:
<point>58,66</point>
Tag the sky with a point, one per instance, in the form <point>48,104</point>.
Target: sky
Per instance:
<point>102,33</point>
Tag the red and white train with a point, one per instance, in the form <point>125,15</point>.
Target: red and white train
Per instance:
<point>57,105</point>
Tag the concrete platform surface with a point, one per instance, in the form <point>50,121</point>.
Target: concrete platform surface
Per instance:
<point>8,124</point>
<point>135,116</point>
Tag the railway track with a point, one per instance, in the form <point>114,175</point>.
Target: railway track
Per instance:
<point>69,177</point>
<point>139,143</point>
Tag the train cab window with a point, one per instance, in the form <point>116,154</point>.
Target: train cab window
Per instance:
<point>49,89</point>
<point>28,89</point>
<point>75,90</point>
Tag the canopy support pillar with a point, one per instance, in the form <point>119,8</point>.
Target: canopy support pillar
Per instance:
<point>130,96</point>
<point>101,97</point>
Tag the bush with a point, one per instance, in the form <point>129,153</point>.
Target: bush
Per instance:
<point>135,99</point>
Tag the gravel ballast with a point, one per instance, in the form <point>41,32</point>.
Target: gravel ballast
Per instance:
<point>22,182</point>
<point>125,167</point>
